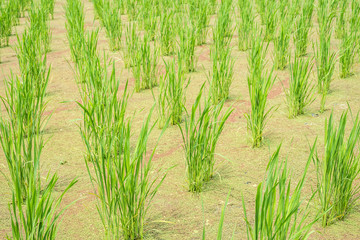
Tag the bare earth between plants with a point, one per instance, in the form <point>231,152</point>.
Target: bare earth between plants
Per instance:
<point>176,213</point>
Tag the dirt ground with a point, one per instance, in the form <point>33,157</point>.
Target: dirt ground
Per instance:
<point>175,213</point>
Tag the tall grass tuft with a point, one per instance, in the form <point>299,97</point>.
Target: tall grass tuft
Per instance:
<point>7,22</point>
<point>132,45</point>
<point>171,99</point>
<point>187,44</point>
<point>145,70</point>
<point>349,40</point>
<point>223,29</point>
<point>200,135</point>
<point>38,18</point>
<point>199,13</point>
<point>341,18</point>
<point>222,74</point>
<point>245,24</point>
<point>302,28</point>
<point>325,59</point>
<point>259,84</point>
<point>338,170</point>
<point>167,35</point>
<point>110,18</point>
<point>300,92</point>
<point>278,212</point>
<point>75,30</point>
<point>282,42</point>
<point>271,19</point>
<point>121,176</point>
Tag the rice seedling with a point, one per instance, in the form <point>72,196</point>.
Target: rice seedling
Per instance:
<point>151,21</point>
<point>38,17</point>
<point>31,60</point>
<point>132,9</point>
<point>325,59</point>
<point>325,63</point>
<point>261,6</point>
<point>271,20</point>
<point>259,84</point>
<point>34,211</point>
<point>39,216</point>
<point>222,74</point>
<point>302,28</point>
<point>88,73</point>
<point>223,30</point>
<point>213,6</point>
<point>300,93</point>
<point>281,44</point>
<point>187,43</point>
<point>199,14</point>
<point>278,210</point>
<point>200,135</point>
<point>110,17</point>
<point>355,21</point>
<point>341,19</point>
<point>338,170</point>
<point>347,52</point>
<point>172,99</point>
<point>245,24</point>
<point>349,41</point>
<point>145,71</point>
<point>121,175</point>
<point>326,13</point>
<point>167,35</point>
<point>48,6</point>
<point>23,4</point>
<point>75,30</point>
<point>6,19</point>
<point>132,45</point>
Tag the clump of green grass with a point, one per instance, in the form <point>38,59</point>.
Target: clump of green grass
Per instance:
<point>222,74</point>
<point>171,99</point>
<point>341,18</point>
<point>245,24</point>
<point>302,27</point>
<point>48,6</point>
<point>187,44</point>
<point>145,71</point>
<point>110,17</point>
<point>200,135</point>
<point>349,40</point>
<point>199,13</point>
<point>259,83</point>
<point>325,59</point>
<point>132,45</point>
<point>167,35</point>
<point>7,22</point>
<point>338,170</point>
<point>151,20</point>
<point>75,30</point>
<point>347,53</point>
<point>278,213</point>
<point>121,174</point>
<point>282,42</point>
<point>223,30</point>
<point>300,92</point>
<point>271,20</point>
<point>38,18</point>
<point>325,63</point>
<point>261,6</point>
